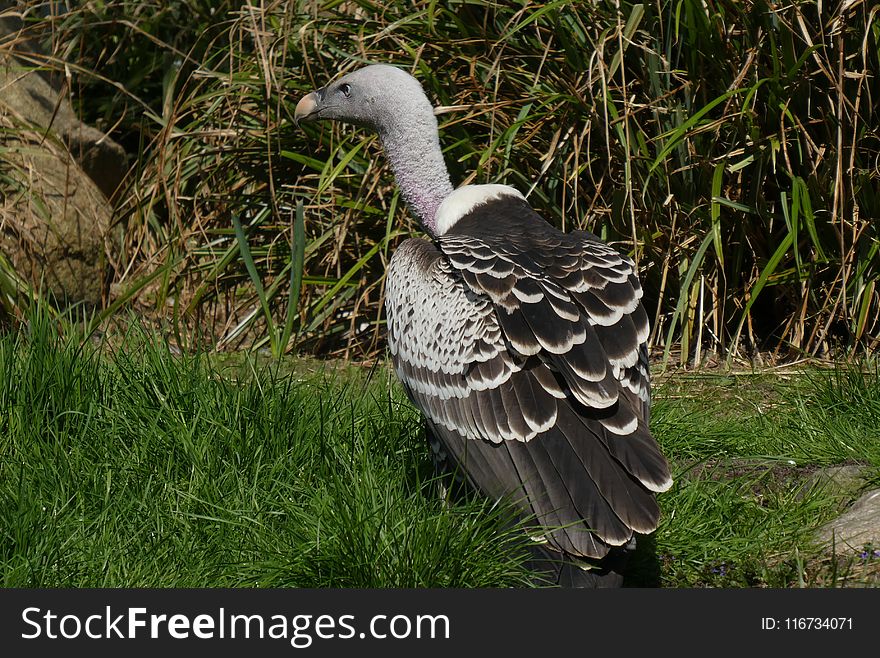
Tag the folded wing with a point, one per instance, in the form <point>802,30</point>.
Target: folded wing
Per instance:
<point>525,349</point>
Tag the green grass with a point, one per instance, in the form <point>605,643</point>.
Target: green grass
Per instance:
<point>742,511</point>
<point>131,466</point>
<point>139,468</point>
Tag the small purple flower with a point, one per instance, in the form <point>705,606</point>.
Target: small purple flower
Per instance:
<point>721,569</point>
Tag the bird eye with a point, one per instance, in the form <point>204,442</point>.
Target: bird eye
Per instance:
<point>346,89</point>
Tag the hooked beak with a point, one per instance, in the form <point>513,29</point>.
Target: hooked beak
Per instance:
<point>306,107</point>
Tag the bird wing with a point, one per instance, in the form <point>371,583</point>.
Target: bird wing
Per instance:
<point>526,352</point>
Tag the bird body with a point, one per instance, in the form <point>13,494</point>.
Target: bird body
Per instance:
<point>524,347</point>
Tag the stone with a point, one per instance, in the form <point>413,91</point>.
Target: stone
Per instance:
<point>31,95</point>
<point>857,527</point>
<point>845,480</point>
<point>56,178</point>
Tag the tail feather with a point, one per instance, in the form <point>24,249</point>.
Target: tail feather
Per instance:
<point>552,568</point>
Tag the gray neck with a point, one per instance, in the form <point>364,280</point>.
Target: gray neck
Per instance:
<point>414,152</point>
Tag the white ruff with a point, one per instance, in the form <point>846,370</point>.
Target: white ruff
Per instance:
<point>467,197</point>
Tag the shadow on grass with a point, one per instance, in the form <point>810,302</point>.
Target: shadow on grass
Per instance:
<point>643,568</point>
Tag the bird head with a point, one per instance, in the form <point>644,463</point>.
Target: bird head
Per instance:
<point>390,102</point>
<point>371,96</point>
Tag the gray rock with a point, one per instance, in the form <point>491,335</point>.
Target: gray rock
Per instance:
<point>56,176</point>
<point>844,480</point>
<point>29,95</point>
<point>858,526</point>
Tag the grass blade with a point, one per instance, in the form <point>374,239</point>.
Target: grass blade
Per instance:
<point>245,251</point>
<point>297,257</point>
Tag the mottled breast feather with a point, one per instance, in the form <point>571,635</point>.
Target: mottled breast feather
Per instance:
<point>525,348</point>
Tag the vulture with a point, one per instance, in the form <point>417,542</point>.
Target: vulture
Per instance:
<point>525,348</point>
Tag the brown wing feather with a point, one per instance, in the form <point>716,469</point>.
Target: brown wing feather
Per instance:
<point>526,353</point>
